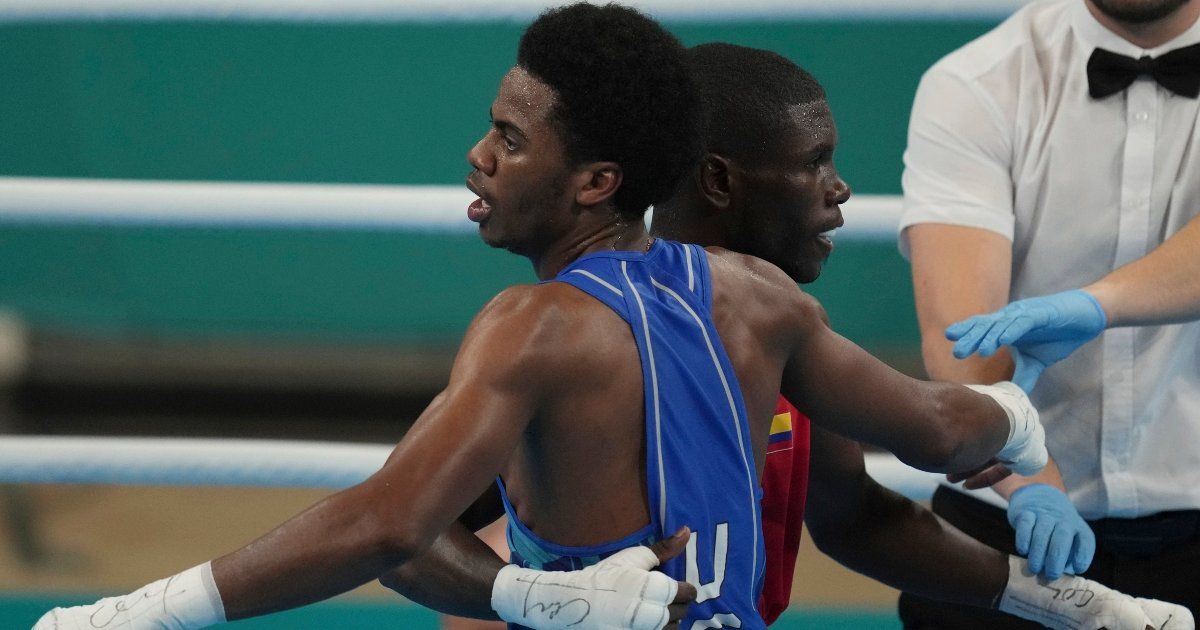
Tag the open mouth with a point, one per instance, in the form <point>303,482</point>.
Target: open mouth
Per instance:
<point>478,210</point>
<point>827,235</point>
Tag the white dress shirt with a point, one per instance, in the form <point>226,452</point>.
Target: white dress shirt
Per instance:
<point>1005,137</point>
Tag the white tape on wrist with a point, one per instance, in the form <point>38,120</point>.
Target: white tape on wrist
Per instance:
<point>181,602</point>
<point>1068,603</point>
<point>1025,450</point>
<point>618,592</point>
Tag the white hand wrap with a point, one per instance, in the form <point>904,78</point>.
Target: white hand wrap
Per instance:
<point>1025,451</point>
<point>1075,603</point>
<point>1167,616</point>
<point>619,592</point>
<point>181,602</point>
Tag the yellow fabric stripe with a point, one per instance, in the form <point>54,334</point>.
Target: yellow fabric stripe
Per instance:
<point>781,423</point>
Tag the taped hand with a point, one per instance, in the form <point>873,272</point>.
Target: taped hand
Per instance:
<point>621,591</point>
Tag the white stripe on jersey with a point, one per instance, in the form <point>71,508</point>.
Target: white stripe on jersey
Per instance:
<point>737,423</point>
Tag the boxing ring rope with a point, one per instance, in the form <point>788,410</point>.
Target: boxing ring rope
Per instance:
<point>57,200</point>
<point>28,459</point>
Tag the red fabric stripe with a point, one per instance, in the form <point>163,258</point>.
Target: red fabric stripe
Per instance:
<point>785,487</point>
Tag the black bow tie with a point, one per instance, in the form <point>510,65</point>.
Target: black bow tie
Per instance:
<point>1178,71</point>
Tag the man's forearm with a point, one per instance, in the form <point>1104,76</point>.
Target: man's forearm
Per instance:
<point>958,272</point>
<point>1160,288</point>
<point>941,365</point>
<point>964,272</point>
<point>334,546</point>
<point>1049,475</point>
<point>454,576</point>
<point>879,533</point>
<point>330,548</point>
<point>904,545</point>
<point>944,296</point>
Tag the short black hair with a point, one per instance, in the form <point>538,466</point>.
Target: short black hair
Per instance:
<point>745,95</point>
<point>624,94</point>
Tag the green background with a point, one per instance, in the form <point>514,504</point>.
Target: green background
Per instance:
<point>392,103</point>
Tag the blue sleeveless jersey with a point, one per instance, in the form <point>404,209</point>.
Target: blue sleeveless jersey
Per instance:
<point>700,468</point>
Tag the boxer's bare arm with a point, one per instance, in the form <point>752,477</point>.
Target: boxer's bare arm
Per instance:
<point>455,449</point>
<point>933,426</point>
<point>455,575</point>
<point>881,534</point>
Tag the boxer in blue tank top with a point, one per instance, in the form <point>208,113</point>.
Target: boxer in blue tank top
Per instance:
<point>699,466</point>
<point>595,123</point>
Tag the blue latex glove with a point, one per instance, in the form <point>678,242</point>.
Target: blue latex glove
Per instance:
<point>1042,331</point>
<point>1050,532</point>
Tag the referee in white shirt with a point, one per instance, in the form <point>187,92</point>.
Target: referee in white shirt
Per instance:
<point>1042,156</point>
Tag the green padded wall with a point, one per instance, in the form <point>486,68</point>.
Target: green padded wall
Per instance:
<point>387,103</point>
<point>398,103</point>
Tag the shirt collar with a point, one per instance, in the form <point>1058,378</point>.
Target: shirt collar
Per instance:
<point>1093,34</point>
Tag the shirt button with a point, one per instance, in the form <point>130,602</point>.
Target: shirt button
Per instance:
<point>1141,116</point>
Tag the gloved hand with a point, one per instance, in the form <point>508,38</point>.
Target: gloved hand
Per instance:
<point>1042,331</point>
<point>1050,531</point>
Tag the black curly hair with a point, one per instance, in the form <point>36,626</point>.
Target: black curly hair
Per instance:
<point>624,95</point>
<point>745,97</point>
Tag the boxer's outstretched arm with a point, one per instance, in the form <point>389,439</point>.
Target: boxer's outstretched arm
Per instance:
<point>505,367</point>
<point>885,536</point>
<point>511,361</point>
<point>881,534</point>
<point>939,427</point>
<point>449,456</point>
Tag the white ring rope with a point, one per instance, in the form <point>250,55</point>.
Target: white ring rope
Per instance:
<point>265,463</point>
<point>193,462</point>
<point>208,203</point>
<point>49,200</point>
